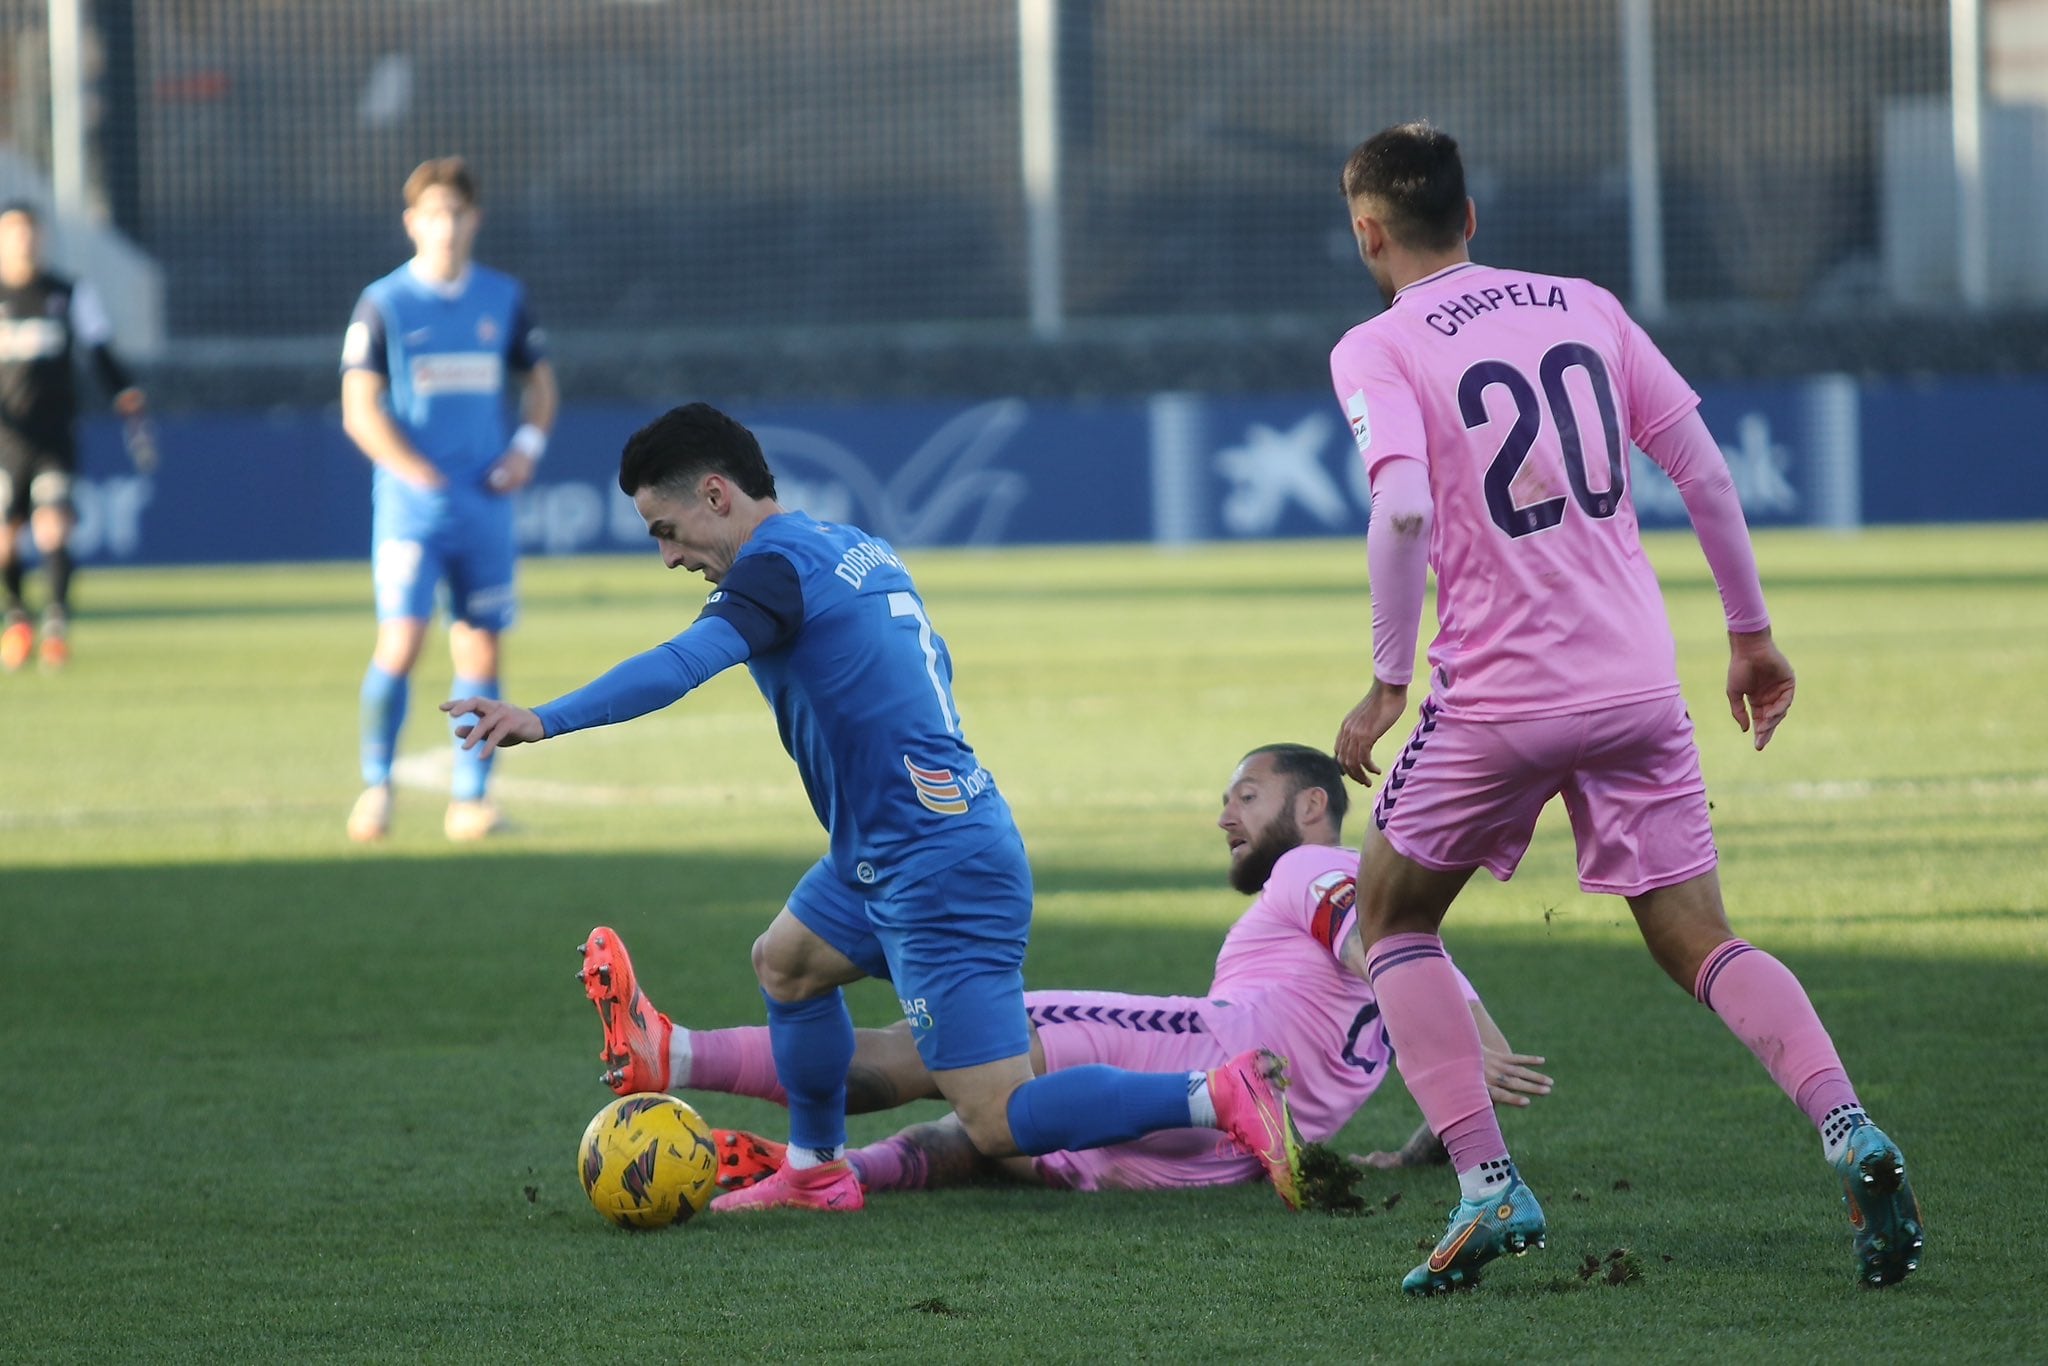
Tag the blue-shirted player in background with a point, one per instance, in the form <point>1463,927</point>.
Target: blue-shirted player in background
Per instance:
<point>431,353</point>
<point>925,882</point>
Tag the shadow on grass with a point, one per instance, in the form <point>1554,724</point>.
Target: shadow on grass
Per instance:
<point>369,951</point>
<point>447,936</point>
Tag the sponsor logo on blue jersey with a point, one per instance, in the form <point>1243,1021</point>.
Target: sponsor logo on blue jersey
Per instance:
<point>938,790</point>
<point>457,372</point>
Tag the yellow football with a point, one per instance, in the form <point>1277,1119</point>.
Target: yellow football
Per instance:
<point>647,1161</point>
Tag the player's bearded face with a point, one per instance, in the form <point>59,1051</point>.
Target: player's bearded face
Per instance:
<point>1252,864</point>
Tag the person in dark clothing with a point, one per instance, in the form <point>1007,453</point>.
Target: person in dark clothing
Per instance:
<point>46,320</point>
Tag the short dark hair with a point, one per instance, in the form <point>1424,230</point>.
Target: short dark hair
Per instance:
<point>1305,766</point>
<point>686,443</point>
<point>1412,172</point>
<point>453,172</point>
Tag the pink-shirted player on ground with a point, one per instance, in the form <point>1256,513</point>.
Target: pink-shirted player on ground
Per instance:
<point>1283,982</point>
<point>1494,410</point>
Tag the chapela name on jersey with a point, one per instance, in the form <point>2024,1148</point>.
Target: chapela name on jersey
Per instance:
<point>1336,895</point>
<point>1361,425</point>
<point>938,790</point>
<point>1453,314</point>
<point>862,560</point>
<point>458,372</point>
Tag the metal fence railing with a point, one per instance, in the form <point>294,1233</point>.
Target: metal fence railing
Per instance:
<point>697,165</point>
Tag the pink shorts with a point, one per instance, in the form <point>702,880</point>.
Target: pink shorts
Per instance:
<point>1145,1034</point>
<point>1466,794</point>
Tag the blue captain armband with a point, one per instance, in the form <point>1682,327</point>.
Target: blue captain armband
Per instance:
<point>649,681</point>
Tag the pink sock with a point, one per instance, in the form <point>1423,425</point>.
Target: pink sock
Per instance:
<point>735,1061</point>
<point>1762,1002</point>
<point>894,1164</point>
<point>1437,1044</point>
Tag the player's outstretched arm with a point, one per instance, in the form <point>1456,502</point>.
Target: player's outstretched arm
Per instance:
<point>1511,1077</point>
<point>498,725</point>
<point>1760,683</point>
<point>647,682</point>
<point>1423,1149</point>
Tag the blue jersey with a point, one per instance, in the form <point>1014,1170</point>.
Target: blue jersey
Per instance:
<point>447,356</point>
<point>862,686</point>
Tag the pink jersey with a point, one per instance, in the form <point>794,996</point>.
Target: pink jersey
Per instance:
<point>1520,393</point>
<point>1287,991</point>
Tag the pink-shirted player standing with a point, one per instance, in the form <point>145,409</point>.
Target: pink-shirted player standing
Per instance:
<point>1290,978</point>
<point>1494,410</point>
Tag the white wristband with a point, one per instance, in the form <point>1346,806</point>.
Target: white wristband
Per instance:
<point>530,441</point>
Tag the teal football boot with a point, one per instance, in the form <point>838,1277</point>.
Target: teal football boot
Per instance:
<point>1510,1222</point>
<point>1882,1209</point>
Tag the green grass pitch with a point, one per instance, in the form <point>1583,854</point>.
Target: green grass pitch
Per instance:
<point>265,1096</point>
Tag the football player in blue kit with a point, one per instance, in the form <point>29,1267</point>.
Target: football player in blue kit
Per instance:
<point>925,881</point>
<point>430,357</point>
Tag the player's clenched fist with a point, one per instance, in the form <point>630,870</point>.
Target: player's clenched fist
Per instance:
<point>497,725</point>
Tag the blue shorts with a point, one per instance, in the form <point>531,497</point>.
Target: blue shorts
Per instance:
<point>953,945</point>
<point>473,553</point>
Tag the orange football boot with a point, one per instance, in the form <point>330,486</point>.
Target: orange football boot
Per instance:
<point>746,1159</point>
<point>17,642</point>
<point>636,1035</point>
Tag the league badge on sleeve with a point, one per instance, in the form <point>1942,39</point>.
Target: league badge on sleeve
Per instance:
<point>1361,424</point>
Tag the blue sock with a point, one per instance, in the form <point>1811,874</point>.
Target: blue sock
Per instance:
<point>471,773</point>
<point>1095,1105</point>
<point>813,1046</point>
<point>383,701</point>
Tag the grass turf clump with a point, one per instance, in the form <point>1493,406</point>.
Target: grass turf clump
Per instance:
<point>1329,1180</point>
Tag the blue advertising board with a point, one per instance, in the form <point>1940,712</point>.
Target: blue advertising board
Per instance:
<point>257,487</point>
